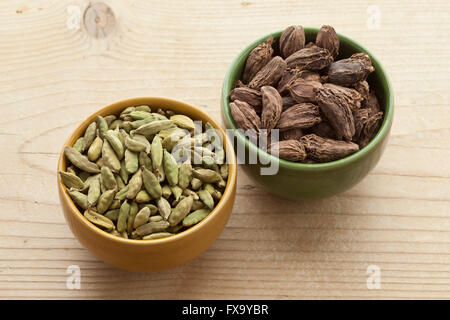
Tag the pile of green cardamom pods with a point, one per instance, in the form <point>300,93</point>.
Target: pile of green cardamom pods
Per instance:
<point>123,174</point>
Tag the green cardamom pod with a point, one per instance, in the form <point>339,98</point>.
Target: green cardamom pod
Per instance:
<point>95,150</point>
<point>119,182</point>
<point>90,178</point>
<point>109,157</point>
<point>170,169</point>
<point>195,217</point>
<point>207,175</point>
<point>110,119</point>
<point>78,145</point>
<point>71,180</point>
<point>205,152</point>
<point>217,195</point>
<point>158,226</point>
<point>127,118</point>
<point>220,156</point>
<point>122,194</point>
<point>131,161</point>
<point>100,163</point>
<point>180,211</point>
<point>157,235</point>
<point>115,204</point>
<point>134,208</point>
<point>190,193</point>
<point>142,217</point>
<point>143,108</point>
<point>143,139</point>
<point>153,209</point>
<point>99,220</point>
<point>102,186</point>
<point>113,139</point>
<point>80,161</point>
<point>126,125</point>
<point>113,214</point>
<point>160,174</point>
<point>123,216</point>
<point>197,158</point>
<point>157,153</point>
<point>176,191</point>
<point>144,160</point>
<point>139,115</point>
<point>159,116</point>
<point>185,175</point>
<point>116,124</point>
<point>213,136</point>
<point>206,197</point>
<point>135,184</point>
<point>143,197</point>
<point>84,175</point>
<point>89,135</point>
<point>209,187</point>
<point>197,204</point>
<point>175,202</point>
<point>72,170</point>
<point>127,110</point>
<point>114,233</point>
<point>153,127</point>
<point>183,121</point>
<point>135,145</point>
<point>164,208</point>
<point>155,218</point>
<point>169,141</point>
<point>151,183</point>
<point>143,230</point>
<point>139,123</point>
<point>108,179</point>
<point>165,133</point>
<point>94,191</point>
<point>221,183</point>
<point>166,191</point>
<point>123,171</point>
<point>174,229</point>
<point>224,171</point>
<point>196,184</point>
<point>105,201</point>
<point>122,135</point>
<point>209,163</point>
<point>79,198</point>
<point>102,125</point>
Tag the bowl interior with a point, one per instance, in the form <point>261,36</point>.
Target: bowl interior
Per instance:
<point>378,80</point>
<point>153,102</point>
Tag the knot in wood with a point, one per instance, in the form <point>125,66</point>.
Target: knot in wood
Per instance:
<point>99,20</point>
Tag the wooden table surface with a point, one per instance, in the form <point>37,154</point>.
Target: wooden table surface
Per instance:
<point>54,73</point>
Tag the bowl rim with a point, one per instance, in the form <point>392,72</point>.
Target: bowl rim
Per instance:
<point>226,196</point>
<point>379,137</point>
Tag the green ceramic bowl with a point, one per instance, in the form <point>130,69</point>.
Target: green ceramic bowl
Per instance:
<point>312,181</point>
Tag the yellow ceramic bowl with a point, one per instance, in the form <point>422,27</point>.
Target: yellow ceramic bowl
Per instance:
<point>159,254</point>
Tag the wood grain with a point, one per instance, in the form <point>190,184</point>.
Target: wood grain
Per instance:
<point>398,218</point>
